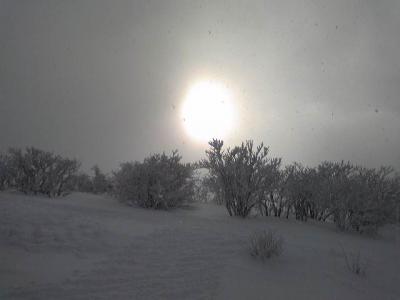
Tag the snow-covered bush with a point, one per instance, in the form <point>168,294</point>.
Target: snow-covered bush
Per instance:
<point>159,182</point>
<point>271,198</point>
<point>355,198</point>
<point>358,198</point>
<point>35,171</point>
<point>265,244</point>
<point>300,184</point>
<point>355,263</point>
<point>243,173</point>
<point>374,196</point>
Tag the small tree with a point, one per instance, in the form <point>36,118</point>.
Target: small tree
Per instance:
<point>159,182</point>
<point>35,171</point>
<point>271,199</point>
<point>244,174</point>
<point>300,186</point>
<point>62,176</point>
<point>374,196</point>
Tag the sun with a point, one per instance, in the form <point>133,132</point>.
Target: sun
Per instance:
<point>208,111</point>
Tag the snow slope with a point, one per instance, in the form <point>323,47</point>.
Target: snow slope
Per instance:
<point>92,247</point>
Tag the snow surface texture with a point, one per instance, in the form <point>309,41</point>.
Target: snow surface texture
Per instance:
<point>92,247</point>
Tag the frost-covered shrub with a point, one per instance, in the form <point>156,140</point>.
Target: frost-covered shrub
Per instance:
<point>360,199</point>
<point>243,173</point>
<point>159,182</point>
<point>333,192</point>
<point>300,191</point>
<point>353,197</point>
<point>265,244</point>
<point>271,198</point>
<point>374,196</point>
<point>355,263</point>
<point>35,171</point>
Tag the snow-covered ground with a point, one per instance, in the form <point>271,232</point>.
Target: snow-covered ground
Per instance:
<point>92,247</point>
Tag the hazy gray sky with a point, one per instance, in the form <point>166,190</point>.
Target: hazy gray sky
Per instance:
<point>103,80</point>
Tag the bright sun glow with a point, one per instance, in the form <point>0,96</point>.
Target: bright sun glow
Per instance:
<point>208,111</point>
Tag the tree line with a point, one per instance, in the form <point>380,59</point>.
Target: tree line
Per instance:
<point>248,180</point>
<point>245,179</point>
<point>35,171</point>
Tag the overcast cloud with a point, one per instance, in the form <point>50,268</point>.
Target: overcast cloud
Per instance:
<point>103,80</point>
